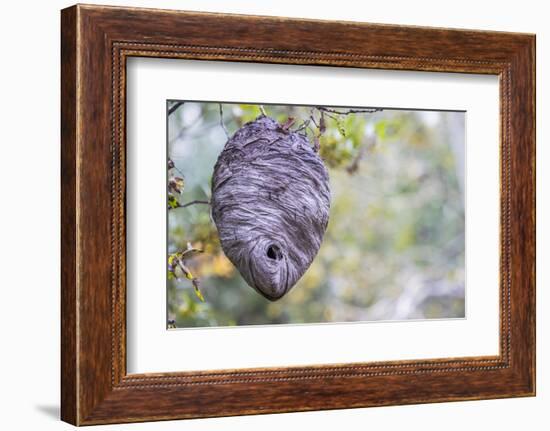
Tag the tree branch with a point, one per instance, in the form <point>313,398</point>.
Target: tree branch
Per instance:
<point>193,203</point>
<point>349,111</point>
<point>174,107</point>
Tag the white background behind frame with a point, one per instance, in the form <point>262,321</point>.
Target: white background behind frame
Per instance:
<point>151,348</point>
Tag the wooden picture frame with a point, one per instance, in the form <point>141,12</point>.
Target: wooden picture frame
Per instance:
<point>95,43</point>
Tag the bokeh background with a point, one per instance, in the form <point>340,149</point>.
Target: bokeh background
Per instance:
<point>395,244</point>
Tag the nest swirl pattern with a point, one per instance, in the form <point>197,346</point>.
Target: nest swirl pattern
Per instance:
<point>270,204</point>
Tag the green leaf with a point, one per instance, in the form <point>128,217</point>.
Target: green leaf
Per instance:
<point>172,202</point>
<point>341,127</point>
<point>186,271</point>
<point>177,268</point>
<point>380,129</point>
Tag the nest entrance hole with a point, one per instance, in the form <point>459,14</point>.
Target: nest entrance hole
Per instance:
<point>274,252</point>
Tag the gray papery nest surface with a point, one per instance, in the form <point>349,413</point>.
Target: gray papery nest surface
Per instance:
<point>270,203</point>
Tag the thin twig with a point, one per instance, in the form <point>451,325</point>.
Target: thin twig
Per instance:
<point>349,111</point>
<point>312,117</point>
<point>262,110</point>
<point>303,126</point>
<point>172,165</point>
<point>331,116</point>
<point>174,107</point>
<point>193,203</point>
<point>221,121</point>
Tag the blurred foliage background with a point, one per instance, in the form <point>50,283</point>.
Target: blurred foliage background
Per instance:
<point>395,244</point>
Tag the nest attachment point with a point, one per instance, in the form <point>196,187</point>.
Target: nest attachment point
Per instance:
<point>270,203</point>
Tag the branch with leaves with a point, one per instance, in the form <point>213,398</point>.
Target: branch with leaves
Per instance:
<point>318,121</point>
<point>176,185</point>
<point>178,269</point>
<point>330,148</point>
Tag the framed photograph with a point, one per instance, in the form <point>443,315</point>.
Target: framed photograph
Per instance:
<point>265,215</point>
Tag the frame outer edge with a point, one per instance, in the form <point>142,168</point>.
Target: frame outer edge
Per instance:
<point>69,211</point>
<point>523,217</point>
<point>88,397</point>
<point>533,54</point>
<point>532,102</point>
